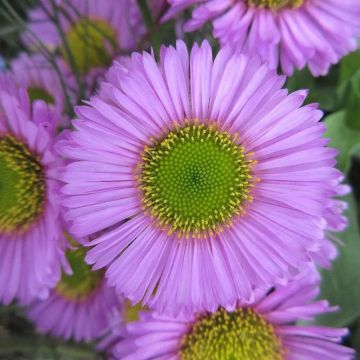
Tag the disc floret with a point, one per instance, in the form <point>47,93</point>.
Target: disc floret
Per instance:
<point>223,335</point>
<point>195,180</point>
<point>91,41</point>
<point>38,93</point>
<point>22,186</point>
<point>276,4</point>
<point>82,282</point>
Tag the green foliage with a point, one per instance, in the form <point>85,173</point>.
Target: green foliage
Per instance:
<point>340,284</point>
<point>344,138</point>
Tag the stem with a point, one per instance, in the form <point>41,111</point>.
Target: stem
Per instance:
<point>151,26</point>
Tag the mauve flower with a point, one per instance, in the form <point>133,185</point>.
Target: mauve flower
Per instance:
<point>294,33</point>
<point>205,178</point>
<point>96,31</point>
<point>266,330</point>
<point>38,77</point>
<point>80,305</point>
<point>31,250</point>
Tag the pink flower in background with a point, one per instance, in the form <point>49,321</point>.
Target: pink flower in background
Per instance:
<point>79,306</point>
<point>266,330</point>
<point>95,31</point>
<point>38,77</point>
<point>292,33</point>
<point>195,171</point>
<point>31,250</point>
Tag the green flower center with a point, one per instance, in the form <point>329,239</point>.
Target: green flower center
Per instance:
<point>37,93</point>
<point>83,281</point>
<point>91,43</point>
<point>195,180</point>
<point>239,335</point>
<point>276,4</point>
<point>131,312</point>
<point>22,186</point>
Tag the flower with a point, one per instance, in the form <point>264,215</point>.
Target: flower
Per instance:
<point>31,250</point>
<point>194,171</point>
<point>265,330</point>
<point>294,33</point>
<point>80,304</point>
<point>95,31</point>
<point>35,74</point>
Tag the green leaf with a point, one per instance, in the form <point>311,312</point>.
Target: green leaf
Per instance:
<point>349,66</point>
<point>355,337</point>
<point>353,110</point>
<point>344,138</point>
<point>349,88</point>
<point>340,285</point>
<point>322,89</point>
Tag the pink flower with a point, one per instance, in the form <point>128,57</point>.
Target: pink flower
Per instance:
<point>294,33</point>
<point>36,75</point>
<point>96,31</point>
<point>267,329</point>
<point>206,179</point>
<point>80,305</point>
<point>31,250</point>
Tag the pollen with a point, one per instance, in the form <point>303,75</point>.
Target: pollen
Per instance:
<point>241,334</point>
<point>83,282</point>
<point>91,42</point>
<point>195,180</point>
<point>22,186</point>
<point>276,4</point>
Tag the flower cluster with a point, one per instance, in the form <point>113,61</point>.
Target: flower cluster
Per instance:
<point>185,210</point>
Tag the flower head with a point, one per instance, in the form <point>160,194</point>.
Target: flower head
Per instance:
<point>95,31</point>
<point>265,330</point>
<point>194,171</point>
<point>35,74</point>
<point>80,304</point>
<point>294,33</point>
<point>30,245</point>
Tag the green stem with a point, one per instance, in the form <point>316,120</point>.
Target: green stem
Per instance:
<point>151,26</point>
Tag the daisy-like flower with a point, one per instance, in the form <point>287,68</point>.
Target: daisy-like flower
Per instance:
<point>266,330</point>
<point>80,304</point>
<point>206,179</point>
<point>294,33</point>
<point>35,74</point>
<point>31,250</point>
<point>95,31</point>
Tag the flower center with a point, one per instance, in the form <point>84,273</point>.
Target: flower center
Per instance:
<point>238,335</point>
<point>91,43</point>
<point>131,312</point>
<point>37,93</point>
<point>195,180</point>
<point>22,186</point>
<point>83,281</point>
<point>276,4</point>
